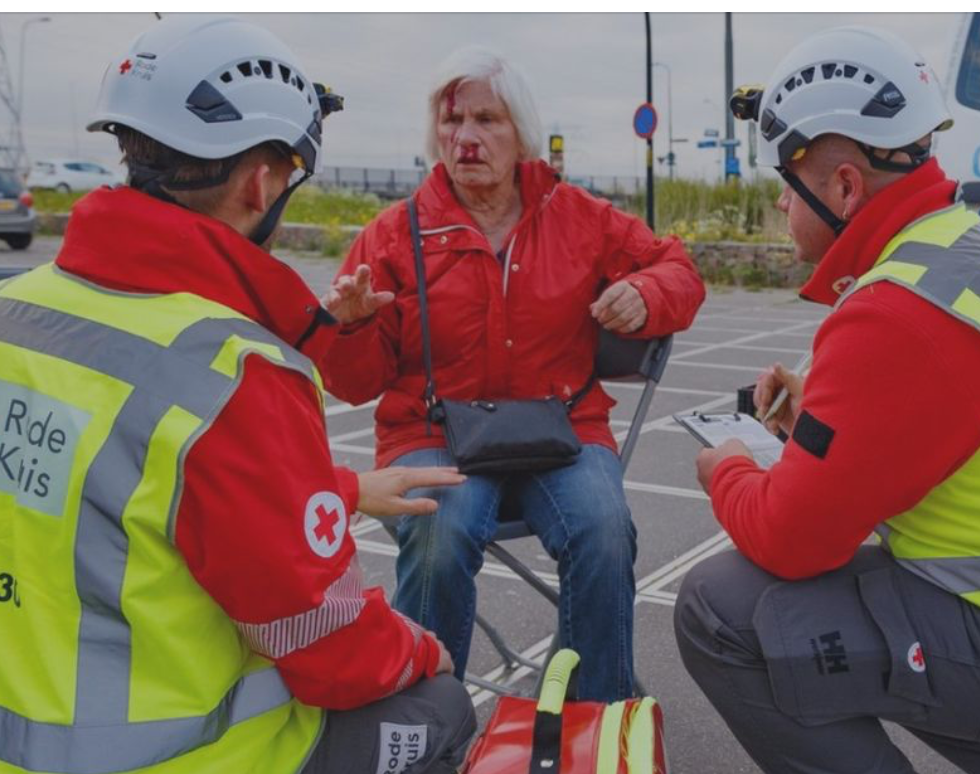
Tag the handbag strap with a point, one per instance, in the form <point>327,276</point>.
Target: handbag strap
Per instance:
<point>430,383</point>
<point>559,684</point>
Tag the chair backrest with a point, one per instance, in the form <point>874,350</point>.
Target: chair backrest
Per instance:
<point>619,359</point>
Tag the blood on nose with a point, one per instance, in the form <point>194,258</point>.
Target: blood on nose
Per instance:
<point>469,153</point>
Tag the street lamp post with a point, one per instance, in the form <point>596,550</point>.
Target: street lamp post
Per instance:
<point>20,80</point>
<point>670,122</point>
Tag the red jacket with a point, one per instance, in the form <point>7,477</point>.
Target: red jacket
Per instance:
<point>522,332</point>
<point>240,522</point>
<point>890,371</point>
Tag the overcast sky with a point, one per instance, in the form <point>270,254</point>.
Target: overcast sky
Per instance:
<point>587,72</point>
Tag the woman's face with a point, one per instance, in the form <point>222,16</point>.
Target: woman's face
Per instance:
<point>477,140</point>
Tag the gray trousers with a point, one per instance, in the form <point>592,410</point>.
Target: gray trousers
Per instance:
<point>802,672</point>
<point>424,729</point>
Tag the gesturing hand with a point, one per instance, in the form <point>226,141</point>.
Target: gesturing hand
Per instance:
<point>350,298</point>
<point>620,308</point>
<point>382,491</point>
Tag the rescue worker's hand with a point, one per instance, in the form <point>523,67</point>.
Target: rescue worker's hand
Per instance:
<point>767,387</point>
<point>709,459</point>
<point>620,308</point>
<point>350,298</point>
<point>445,660</point>
<point>382,491</point>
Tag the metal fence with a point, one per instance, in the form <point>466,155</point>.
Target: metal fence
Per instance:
<point>399,183</point>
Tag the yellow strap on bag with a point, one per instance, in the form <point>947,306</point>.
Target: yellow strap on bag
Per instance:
<point>556,679</point>
<point>607,760</point>
<point>640,740</point>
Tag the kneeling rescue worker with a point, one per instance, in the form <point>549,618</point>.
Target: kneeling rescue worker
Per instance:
<point>179,588</point>
<point>804,638</point>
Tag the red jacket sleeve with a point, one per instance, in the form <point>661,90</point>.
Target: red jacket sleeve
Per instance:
<point>658,267</point>
<point>894,380</point>
<point>263,524</point>
<point>362,359</point>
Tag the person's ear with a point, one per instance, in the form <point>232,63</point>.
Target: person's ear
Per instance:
<point>851,189</point>
<point>258,188</point>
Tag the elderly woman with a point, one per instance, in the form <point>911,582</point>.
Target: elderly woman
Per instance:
<point>521,272</point>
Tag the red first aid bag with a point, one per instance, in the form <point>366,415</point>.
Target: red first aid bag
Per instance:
<point>555,736</point>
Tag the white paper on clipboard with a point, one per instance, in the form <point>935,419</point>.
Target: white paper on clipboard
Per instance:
<point>713,429</point>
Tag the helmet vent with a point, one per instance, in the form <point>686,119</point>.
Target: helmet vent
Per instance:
<point>808,74</point>
<point>266,66</point>
<point>828,70</point>
<point>226,77</point>
<point>869,78</point>
<point>245,68</point>
<point>850,71</point>
<point>285,72</point>
<point>210,105</point>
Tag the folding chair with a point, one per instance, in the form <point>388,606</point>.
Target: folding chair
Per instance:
<point>618,359</point>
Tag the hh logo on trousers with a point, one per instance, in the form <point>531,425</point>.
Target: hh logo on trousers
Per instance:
<point>829,654</point>
<point>400,746</point>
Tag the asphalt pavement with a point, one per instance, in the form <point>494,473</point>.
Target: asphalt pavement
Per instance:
<point>735,335</point>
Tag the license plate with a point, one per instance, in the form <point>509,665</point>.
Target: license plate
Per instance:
<point>7,204</point>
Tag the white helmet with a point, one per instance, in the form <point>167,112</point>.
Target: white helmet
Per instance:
<point>212,87</point>
<point>858,82</point>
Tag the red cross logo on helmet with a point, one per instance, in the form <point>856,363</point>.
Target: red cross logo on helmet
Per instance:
<point>125,67</point>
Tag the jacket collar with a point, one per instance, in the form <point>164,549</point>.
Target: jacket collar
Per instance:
<point>439,207</point>
<point>123,239</point>
<point>887,213</point>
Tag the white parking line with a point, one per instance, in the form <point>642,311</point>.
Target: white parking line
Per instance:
<point>723,366</point>
<point>346,408</point>
<point>673,491</point>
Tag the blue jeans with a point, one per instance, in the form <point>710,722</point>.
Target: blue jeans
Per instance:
<point>581,517</point>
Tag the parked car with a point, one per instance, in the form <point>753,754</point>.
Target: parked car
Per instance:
<point>68,175</point>
<point>17,219</point>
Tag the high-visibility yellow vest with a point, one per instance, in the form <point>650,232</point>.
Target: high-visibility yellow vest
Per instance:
<point>112,658</point>
<point>938,258</point>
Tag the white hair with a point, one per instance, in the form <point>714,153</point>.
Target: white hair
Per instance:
<point>476,63</point>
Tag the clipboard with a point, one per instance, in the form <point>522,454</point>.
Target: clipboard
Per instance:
<point>713,429</point>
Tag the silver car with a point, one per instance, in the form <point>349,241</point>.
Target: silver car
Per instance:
<point>17,218</point>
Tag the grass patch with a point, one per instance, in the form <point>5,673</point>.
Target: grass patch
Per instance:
<point>46,200</point>
<point>703,212</point>
<point>332,208</point>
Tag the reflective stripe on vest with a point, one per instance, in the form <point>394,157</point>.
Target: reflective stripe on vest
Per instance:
<point>185,374</point>
<point>938,259</point>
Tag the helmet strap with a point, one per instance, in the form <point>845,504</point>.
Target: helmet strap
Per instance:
<point>813,202</point>
<point>918,155</point>
<point>269,222</point>
<point>153,180</point>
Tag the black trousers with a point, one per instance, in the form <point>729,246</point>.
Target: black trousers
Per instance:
<point>802,672</point>
<point>424,729</point>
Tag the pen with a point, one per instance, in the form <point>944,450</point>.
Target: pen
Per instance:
<point>783,394</point>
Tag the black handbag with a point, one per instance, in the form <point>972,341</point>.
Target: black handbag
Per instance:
<point>496,436</point>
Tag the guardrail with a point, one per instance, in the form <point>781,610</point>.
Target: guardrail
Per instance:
<point>399,183</point>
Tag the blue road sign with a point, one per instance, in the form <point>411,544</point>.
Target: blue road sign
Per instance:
<point>645,121</point>
<point>733,143</point>
<point>707,144</point>
<point>732,167</point>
